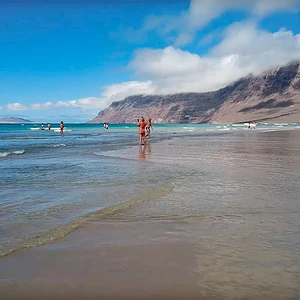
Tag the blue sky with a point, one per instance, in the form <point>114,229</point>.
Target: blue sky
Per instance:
<point>70,59</point>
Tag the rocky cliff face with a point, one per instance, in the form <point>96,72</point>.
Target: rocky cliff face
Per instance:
<point>272,97</point>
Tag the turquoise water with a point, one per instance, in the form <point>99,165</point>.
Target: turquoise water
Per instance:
<point>51,183</point>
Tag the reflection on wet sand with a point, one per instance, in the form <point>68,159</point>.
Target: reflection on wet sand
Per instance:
<point>144,151</point>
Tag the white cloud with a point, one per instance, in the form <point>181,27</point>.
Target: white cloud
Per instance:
<point>16,106</point>
<point>244,49</point>
<point>164,62</point>
<point>258,50</point>
<point>111,93</point>
<point>45,105</point>
<point>122,90</point>
<point>182,28</point>
<point>266,7</point>
<point>84,103</point>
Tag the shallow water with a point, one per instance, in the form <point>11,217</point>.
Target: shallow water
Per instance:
<point>238,203</point>
<point>50,184</point>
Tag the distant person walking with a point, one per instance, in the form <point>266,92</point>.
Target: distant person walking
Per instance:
<point>142,130</point>
<point>61,127</point>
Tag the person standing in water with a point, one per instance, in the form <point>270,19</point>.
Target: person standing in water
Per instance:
<point>61,127</point>
<point>142,131</point>
<point>49,126</point>
<point>42,127</point>
<point>148,128</point>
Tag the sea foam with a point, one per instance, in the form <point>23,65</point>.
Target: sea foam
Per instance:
<point>17,152</point>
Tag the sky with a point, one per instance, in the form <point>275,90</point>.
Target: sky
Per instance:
<point>69,59</point>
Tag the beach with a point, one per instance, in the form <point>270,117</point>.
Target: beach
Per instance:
<point>191,216</point>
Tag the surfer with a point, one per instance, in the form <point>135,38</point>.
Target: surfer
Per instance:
<point>61,127</point>
<point>142,131</point>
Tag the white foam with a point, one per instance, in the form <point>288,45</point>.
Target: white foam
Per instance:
<point>17,152</point>
<point>57,145</point>
<point>224,129</point>
<point>4,154</point>
<point>238,125</point>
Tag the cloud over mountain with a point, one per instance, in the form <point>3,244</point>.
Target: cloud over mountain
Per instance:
<point>244,49</point>
<point>241,48</point>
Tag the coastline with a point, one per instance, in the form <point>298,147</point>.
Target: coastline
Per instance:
<point>145,260</point>
<point>105,260</point>
<point>149,252</point>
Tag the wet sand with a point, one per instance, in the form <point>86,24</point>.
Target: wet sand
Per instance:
<point>104,260</point>
<point>150,260</point>
<point>237,239</point>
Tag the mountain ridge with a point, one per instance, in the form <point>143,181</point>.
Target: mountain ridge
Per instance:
<point>272,96</point>
<point>14,120</point>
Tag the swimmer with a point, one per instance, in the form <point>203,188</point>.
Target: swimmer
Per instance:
<point>61,127</point>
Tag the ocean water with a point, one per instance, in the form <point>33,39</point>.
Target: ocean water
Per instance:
<point>51,183</point>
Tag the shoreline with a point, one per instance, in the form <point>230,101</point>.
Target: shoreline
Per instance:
<point>107,260</point>
<point>146,260</point>
<point>142,251</point>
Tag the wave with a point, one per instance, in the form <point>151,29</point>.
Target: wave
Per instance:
<point>102,214</point>
<point>238,125</point>
<point>224,129</point>
<point>35,128</point>
<point>17,152</point>
<point>56,129</point>
<point>57,145</point>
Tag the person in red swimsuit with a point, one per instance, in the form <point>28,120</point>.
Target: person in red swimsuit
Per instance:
<point>142,131</point>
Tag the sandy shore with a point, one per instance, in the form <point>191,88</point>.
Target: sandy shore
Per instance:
<point>236,240</point>
<point>104,260</point>
<point>148,260</point>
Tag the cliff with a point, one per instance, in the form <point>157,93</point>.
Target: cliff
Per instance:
<point>274,96</point>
